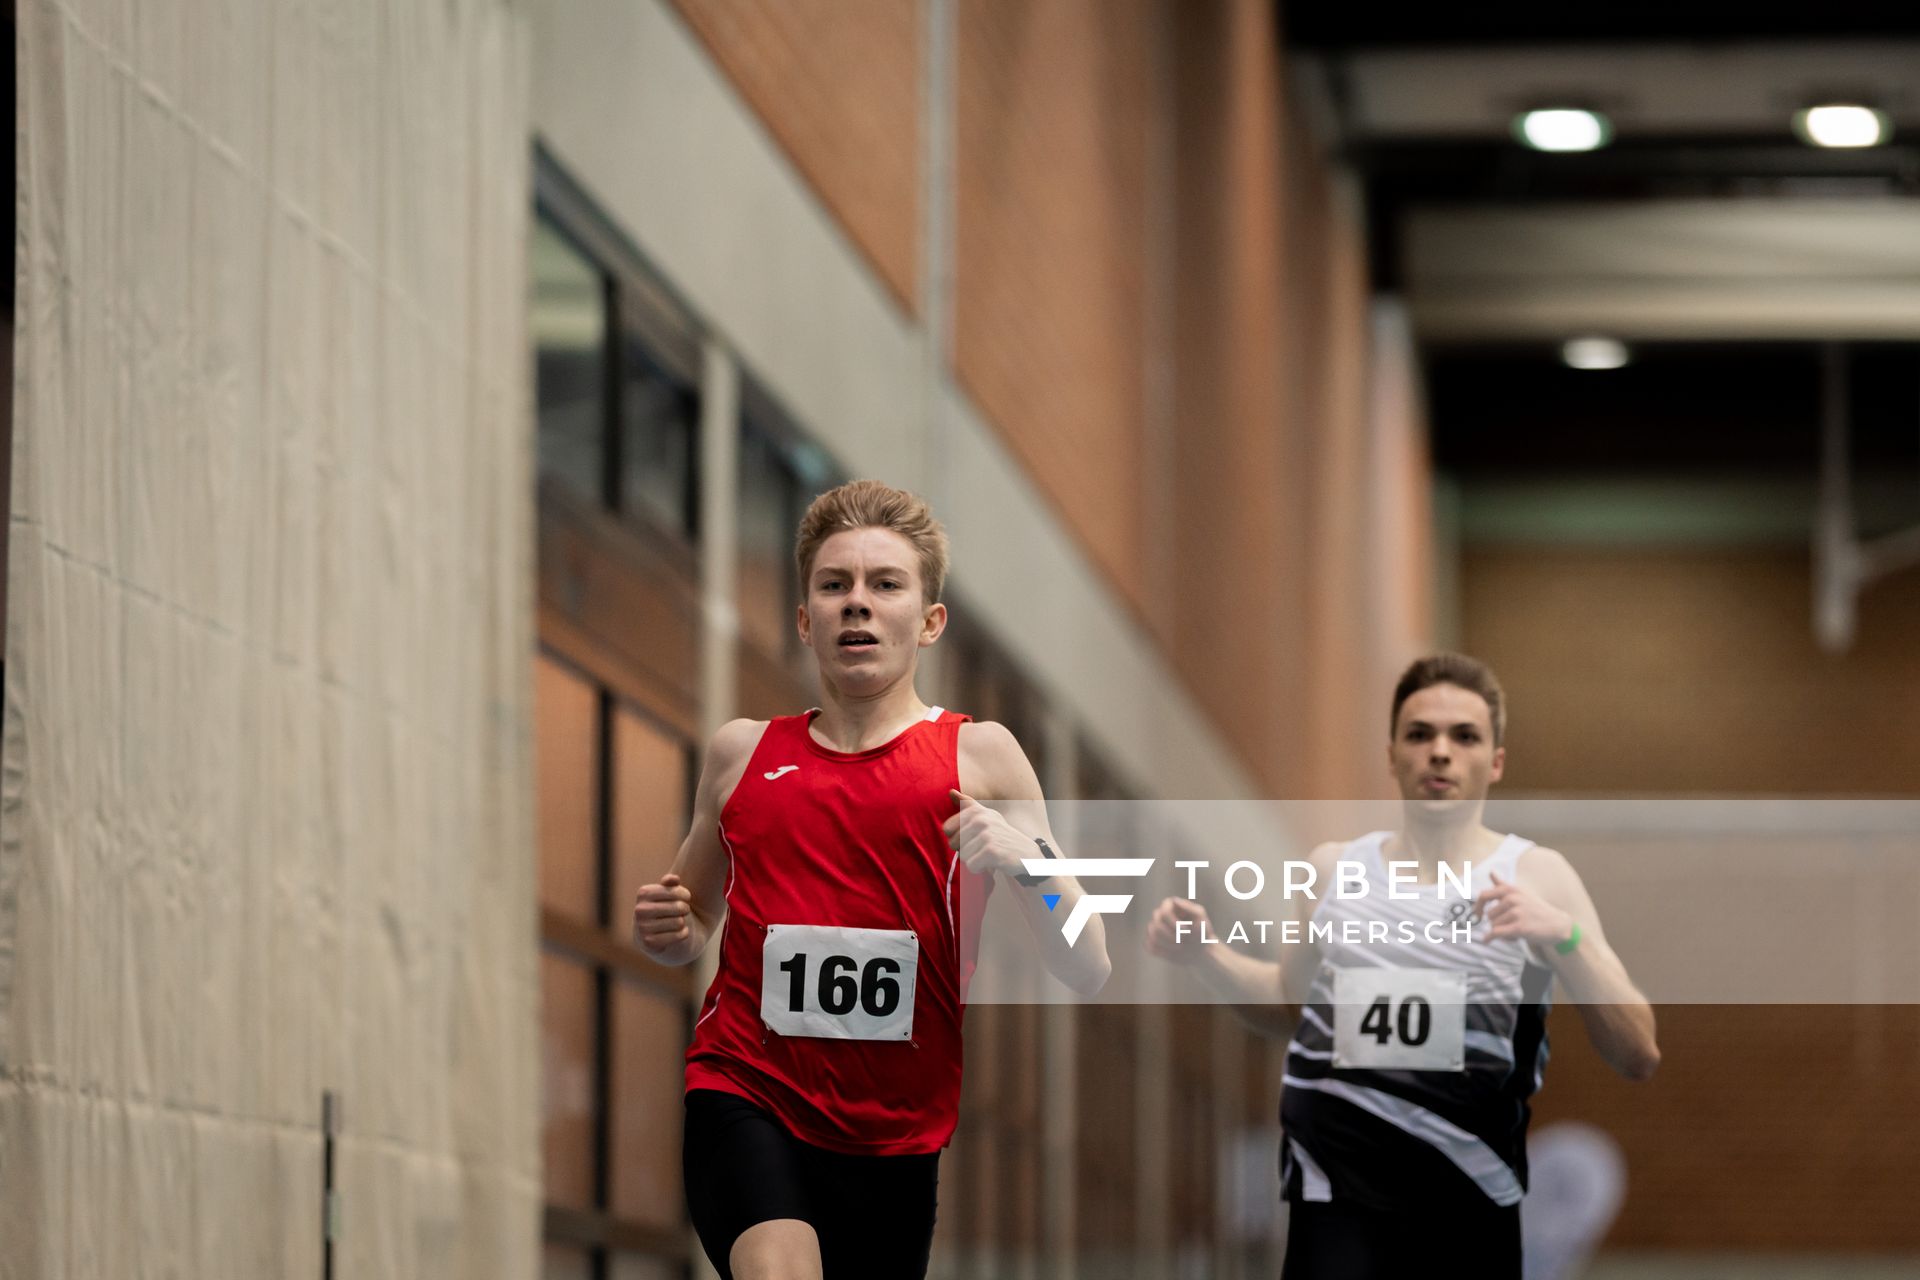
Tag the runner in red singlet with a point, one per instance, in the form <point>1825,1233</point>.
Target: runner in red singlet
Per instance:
<point>851,850</point>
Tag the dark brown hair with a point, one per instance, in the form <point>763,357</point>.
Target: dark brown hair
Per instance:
<point>1458,669</point>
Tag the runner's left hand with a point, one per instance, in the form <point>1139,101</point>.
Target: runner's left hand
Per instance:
<point>985,840</point>
<point>1515,912</point>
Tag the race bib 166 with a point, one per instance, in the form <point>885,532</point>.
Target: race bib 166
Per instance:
<point>837,983</point>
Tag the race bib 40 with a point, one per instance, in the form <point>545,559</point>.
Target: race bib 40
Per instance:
<point>1400,1019</point>
<point>839,984</point>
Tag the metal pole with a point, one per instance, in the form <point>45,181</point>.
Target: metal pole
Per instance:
<point>1836,555</point>
<point>329,1197</point>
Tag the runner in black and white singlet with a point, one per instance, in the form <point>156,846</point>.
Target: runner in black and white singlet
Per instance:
<point>1413,1055</point>
<point>1432,1047</point>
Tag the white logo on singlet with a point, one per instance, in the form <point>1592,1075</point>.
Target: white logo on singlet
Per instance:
<point>782,771</point>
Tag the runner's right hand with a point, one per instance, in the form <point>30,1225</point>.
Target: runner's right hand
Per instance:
<point>660,913</point>
<point>1161,932</point>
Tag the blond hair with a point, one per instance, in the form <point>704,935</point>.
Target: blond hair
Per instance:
<point>869,504</point>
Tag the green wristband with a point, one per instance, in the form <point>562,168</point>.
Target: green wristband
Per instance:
<point>1573,940</point>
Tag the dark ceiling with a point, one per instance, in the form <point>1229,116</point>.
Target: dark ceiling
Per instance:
<point>1694,408</point>
<point>1325,25</point>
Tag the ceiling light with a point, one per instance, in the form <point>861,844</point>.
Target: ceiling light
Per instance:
<point>1594,353</point>
<point>1836,124</point>
<point>1563,129</point>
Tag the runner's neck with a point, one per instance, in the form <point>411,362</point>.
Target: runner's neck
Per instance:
<point>853,725</point>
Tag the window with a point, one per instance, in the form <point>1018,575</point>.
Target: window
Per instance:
<point>567,1084</point>
<point>649,1040</point>
<point>561,1263</point>
<point>617,368</point>
<point>780,472</point>
<point>659,434</point>
<point>614,798</point>
<point>566,767</point>
<point>770,510</point>
<point>652,784</point>
<point>989,686</point>
<point>569,324</point>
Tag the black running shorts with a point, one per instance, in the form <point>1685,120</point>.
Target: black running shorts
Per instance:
<point>873,1214</point>
<point>1337,1240</point>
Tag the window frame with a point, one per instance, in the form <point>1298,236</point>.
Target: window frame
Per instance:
<point>646,323</point>
<point>599,1231</point>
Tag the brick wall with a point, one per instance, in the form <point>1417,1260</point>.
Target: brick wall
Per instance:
<point>1776,1127</point>
<point>1233,562</point>
<point>1053,104</point>
<point>1277,578</point>
<point>1696,671</point>
<point>1325,340</point>
<point>837,83</point>
<point>1160,303</point>
<point>1768,1127</point>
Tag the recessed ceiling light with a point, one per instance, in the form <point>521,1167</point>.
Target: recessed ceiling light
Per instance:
<point>1839,124</point>
<point>1594,353</point>
<point>1563,129</point>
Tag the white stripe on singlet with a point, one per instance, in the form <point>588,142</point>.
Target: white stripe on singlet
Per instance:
<point>1470,1155</point>
<point>733,866</point>
<point>1314,1185</point>
<point>947,901</point>
<point>1487,1042</point>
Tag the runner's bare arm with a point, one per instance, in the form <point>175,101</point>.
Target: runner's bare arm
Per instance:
<point>674,918</point>
<point>1543,905</point>
<point>1266,994</point>
<point>997,817</point>
<point>1251,984</point>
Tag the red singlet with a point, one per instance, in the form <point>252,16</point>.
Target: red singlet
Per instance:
<point>855,840</point>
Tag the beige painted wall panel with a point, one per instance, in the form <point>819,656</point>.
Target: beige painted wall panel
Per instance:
<point>266,827</point>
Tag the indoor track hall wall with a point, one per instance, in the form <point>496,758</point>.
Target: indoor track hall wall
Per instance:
<point>267,822</point>
<point>838,84</point>
<point>1155,345</point>
<point>1693,670</point>
<point>1159,305</point>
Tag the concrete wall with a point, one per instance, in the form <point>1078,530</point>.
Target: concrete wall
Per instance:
<point>267,809</point>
